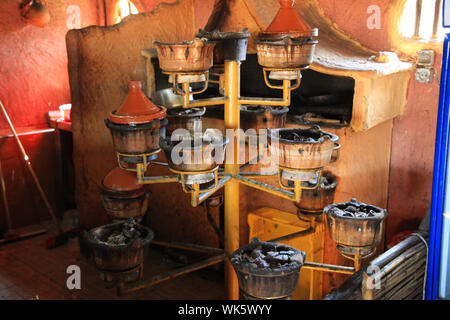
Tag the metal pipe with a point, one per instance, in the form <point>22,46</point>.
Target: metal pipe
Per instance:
<point>158,179</point>
<point>265,101</point>
<point>294,235</point>
<point>437,11</point>
<point>172,274</point>
<point>232,122</point>
<point>328,268</point>
<point>418,18</point>
<point>188,246</point>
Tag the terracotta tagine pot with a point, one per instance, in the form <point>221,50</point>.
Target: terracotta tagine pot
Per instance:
<point>288,42</point>
<point>123,197</point>
<point>137,125</point>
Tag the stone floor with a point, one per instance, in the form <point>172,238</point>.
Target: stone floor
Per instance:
<point>29,271</point>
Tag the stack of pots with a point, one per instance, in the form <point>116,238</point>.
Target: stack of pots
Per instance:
<point>123,197</point>
<point>137,125</point>
<point>288,42</point>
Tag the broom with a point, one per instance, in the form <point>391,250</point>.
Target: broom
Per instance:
<point>62,236</point>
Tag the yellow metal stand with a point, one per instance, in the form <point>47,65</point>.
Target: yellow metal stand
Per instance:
<point>232,176</point>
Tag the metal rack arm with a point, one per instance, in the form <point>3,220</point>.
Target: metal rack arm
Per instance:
<point>328,268</point>
<point>293,196</point>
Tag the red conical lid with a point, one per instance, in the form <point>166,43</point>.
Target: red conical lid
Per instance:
<point>120,180</point>
<point>137,108</point>
<point>288,21</point>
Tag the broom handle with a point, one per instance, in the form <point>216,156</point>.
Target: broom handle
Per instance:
<point>30,168</point>
<point>5,200</point>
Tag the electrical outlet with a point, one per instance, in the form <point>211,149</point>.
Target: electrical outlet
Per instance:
<point>425,66</point>
<point>424,74</point>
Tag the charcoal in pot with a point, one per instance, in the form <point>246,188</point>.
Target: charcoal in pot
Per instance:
<point>289,253</point>
<point>351,209</point>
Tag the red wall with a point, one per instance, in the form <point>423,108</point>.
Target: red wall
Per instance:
<point>33,80</point>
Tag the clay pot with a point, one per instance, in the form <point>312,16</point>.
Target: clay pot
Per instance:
<point>117,258</point>
<point>137,139</point>
<point>137,125</point>
<point>286,53</point>
<point>123,197</point>
<point>189,119</point>
<point>315,151</point>
<point>263,117</point>
<point>35,13</point>
<point>351,231</point>
<point>267,283</point>
<point>314,200</point>
<point>201,152</point>
<point>194,56</point>
<point>229,45</point>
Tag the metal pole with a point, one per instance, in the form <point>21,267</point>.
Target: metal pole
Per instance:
<point>437,10</point>
<point>232,122</point>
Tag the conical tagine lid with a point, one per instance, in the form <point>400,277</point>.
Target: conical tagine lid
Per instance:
<point>120,180</point>
<point>137,108</point>
<point>287,22</point>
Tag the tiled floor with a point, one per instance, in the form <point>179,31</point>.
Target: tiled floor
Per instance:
<point>29,271</point>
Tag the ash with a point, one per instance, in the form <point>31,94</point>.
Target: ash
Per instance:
<point>269,258</point>
<point>127,234</point>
